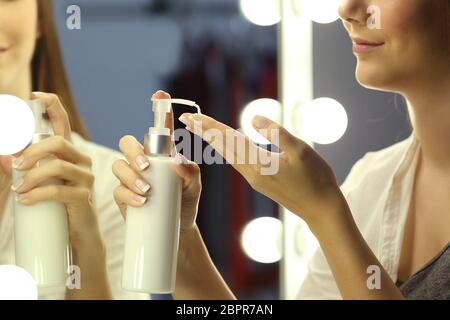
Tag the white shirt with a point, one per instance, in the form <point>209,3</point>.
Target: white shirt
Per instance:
<point>378,190</point>
<point>110,220</point>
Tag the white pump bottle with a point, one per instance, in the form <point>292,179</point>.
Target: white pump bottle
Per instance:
<point>152,231</point>
<point>41,230</point>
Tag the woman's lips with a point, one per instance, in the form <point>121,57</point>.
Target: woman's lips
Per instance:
<point>364,46</point>
<point>3,50</point>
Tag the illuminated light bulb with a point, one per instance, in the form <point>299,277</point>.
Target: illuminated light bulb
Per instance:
<point>320,11</point>
<point>261,240</point>
<point>268,108</point>
<point>16,125</point>
<point>322,121</point>
<point>261,12</point>
<point>16,284</point>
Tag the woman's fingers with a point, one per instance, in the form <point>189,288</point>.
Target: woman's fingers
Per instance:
<point>55,146</point>
<point>133,150</point>
<point>120,201</point>
<point>278,135</point>
<point>130,178</point>
<point>232,145</point>
<point>56,112</point>
<point>125,197</point>
<point>58,169</point>
<point>189,172</point>
<point>216,133</point>
<point>69,195</point>
<point>210,130</point>
<point>134,153</point>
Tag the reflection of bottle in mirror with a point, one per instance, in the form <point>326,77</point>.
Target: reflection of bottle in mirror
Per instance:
<point>41,230</point>
<point>152,231</point>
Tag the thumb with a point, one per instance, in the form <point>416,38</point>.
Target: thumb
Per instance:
<point>189,172</point>
<point>276,134</point>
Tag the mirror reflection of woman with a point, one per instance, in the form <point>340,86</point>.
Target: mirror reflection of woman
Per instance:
<point>392,213</point>
<point>30,60</point>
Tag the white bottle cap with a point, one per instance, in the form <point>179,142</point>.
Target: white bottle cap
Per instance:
<point>159,139</point>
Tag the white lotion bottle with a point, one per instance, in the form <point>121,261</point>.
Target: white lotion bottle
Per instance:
<point>42,244</point>
<point>153,230</point>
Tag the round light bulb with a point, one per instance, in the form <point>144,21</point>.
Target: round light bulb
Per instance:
<point>321,11</point>
<point>261,12</point>
<point>322,121</point>
<point>261,240</point>
<point>268,108</point>
<point>16,125</point>
<point>16,284</point>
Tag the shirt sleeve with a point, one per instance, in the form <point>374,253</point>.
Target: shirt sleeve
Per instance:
<point>319,283</point>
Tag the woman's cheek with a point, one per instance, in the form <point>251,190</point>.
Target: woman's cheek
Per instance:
<point>28,29</point>
<point>406,28</point>
<point>22,32</point>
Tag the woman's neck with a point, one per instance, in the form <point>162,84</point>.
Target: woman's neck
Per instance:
<point>21,87</point>
<point>430,115</point>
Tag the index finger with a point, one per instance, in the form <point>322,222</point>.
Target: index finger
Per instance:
<point>134,153</point>
<point>235,147</point>
<point>56,112</point>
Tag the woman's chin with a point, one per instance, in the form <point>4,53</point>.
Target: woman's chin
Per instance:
<point>372,77</point>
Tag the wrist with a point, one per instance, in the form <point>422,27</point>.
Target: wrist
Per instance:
<point>187,240</point>
<point>92,249</point>
<point>5,188</point>
<point>92,264</point>
<point>189,254</point>
<point>331,217</point>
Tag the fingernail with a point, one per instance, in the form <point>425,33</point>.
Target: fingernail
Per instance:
<point>17,185</point>
<point>180,159</point>
<point>142,162</point>
<point>20,197</point>
<point>260,122</point>
<point>18,162</point>
<point>142,185</point>
<point>140,199</point>
<point>183,119</point>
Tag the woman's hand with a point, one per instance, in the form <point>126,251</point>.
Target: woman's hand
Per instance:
<point>64,162</point>
<point>306,185</point>
<point>197,277</point>
<point>302,181</point>
<point>67,164</point>
<point>135,191</point>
